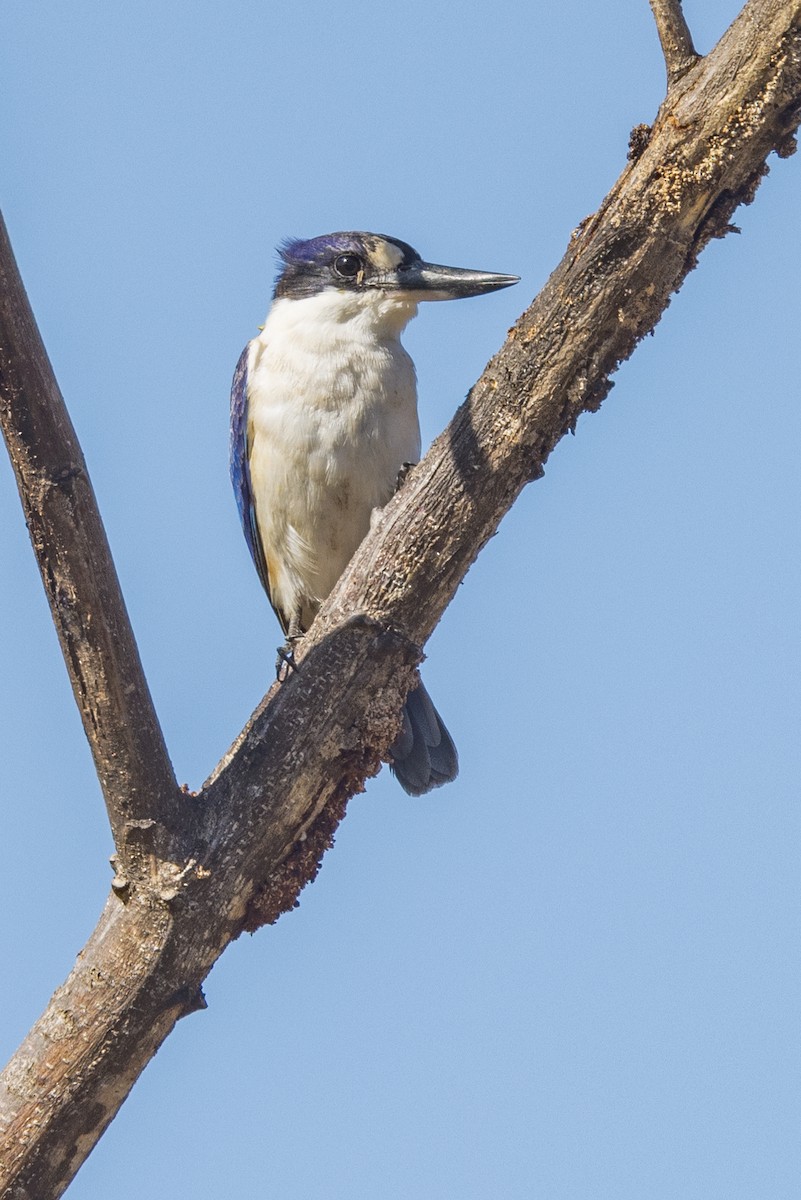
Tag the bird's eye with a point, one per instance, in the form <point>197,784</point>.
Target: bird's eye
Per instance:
<point>348,265</point>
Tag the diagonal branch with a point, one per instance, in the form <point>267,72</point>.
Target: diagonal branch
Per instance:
<point>78,573</point>
<point>262,822</point>
<point>675,38</point>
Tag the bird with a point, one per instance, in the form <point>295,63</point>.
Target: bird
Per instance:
<point>324,422</point>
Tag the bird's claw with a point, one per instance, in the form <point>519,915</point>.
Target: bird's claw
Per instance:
<point>402,473</point>
<point>285,661</point>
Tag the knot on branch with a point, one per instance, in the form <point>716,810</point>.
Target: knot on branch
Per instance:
<point>67,473</point>
<point>638,140</point>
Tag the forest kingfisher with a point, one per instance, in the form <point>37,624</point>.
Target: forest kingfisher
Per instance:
<point>323,420</point>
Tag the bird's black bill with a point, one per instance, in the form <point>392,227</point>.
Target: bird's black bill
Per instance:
<point>429,281</point>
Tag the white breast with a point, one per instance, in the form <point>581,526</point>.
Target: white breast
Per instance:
<point>332,415</point>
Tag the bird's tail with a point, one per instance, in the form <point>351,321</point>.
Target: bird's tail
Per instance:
<point>423,753</point>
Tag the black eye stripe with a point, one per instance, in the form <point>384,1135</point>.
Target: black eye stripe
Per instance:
<point>347,266</point>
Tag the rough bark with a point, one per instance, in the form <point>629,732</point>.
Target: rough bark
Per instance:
<point>240,850</point>
<point>78,572</point>
<point>674,37</point>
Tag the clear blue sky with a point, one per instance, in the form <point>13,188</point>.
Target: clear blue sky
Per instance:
<point>574,973</point>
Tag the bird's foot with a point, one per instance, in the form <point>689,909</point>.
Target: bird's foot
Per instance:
<point>285,660</point>
<point>402,473</point>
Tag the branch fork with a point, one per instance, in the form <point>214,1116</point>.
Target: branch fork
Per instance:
<point>675,38</point>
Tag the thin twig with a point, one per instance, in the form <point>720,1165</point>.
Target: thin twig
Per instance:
<point>675,37</point>
<point>79,578</point>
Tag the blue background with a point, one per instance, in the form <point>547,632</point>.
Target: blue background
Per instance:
<point>574,972</point>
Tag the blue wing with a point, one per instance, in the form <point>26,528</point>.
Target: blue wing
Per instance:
<point>240,468</point>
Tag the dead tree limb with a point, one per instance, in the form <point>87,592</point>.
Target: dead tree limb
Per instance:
<point>244,847</point>
<point>78,573</point>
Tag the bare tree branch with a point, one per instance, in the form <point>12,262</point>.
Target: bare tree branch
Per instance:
<point>675,38</point>
<point>78,574</point>
<point>268,816</point>
<point>255,834</point>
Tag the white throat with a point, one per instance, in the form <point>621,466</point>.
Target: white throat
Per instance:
<point>335,315</point>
